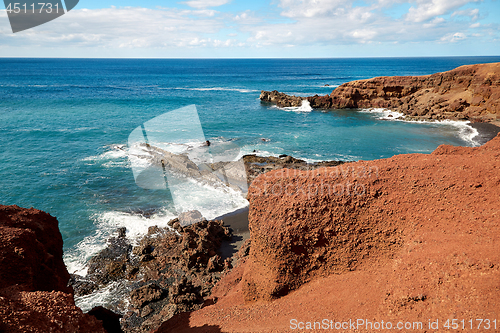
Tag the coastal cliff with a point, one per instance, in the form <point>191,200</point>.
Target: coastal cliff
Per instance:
<point>34,296</point>
<point>469,92</point>
<point>413,238</point>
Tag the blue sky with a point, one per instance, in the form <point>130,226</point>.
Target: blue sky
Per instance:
<point>262,28</point>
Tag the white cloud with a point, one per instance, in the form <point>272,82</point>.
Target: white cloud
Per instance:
<point>434,22</point>
<point>206,3</point>
<point>364,34</point>
<point>338,22</point>
<point>452,38</point>
<point>473,14</point>
<point>429,9</point>
<point>121,28</point>
<point>298,23</point>
<point>313,8</point>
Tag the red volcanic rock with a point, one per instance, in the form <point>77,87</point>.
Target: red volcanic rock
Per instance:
<point>34,296</point>
<point>412,238</point>
<point>44,311</point>
<point>334,220</point>
<point>467,92</point>
<point>31,251</point>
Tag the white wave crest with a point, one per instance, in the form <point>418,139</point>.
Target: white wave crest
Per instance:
<point>107,224</point>
<point>304,107</point>
<point>114,294</point>
<point>241,90</point>
<point>466,132</point>
<point>385,114</point>
<point>116,152</point>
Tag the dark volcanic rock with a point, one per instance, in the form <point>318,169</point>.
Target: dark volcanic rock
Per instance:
<point>168,272</point>
<point>257,165</point>
<point>280,99</point>
<point>81,285</point>
<point>110,320</point>
<point>111,263</point>
<point>146,294</point>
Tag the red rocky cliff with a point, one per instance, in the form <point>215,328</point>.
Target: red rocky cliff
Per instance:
<point>467,92</point>
<point>411,238</point>
<point>34,296</point>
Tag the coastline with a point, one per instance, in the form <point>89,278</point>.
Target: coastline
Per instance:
<point>486,131</point>
<point>238,219</point>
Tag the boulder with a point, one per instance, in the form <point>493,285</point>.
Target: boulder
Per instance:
<point>34,296</point>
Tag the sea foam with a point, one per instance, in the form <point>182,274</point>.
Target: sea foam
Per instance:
<point>304,107</point>
<point>465,131</point>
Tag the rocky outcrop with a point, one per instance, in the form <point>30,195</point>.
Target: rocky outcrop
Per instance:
<point>407,238</point>
<point>468,92</point>
<point>168,272</point>
<point>34,296</point>
<point>335,220</point>
<point>281,99</point>
<point>257,165</point>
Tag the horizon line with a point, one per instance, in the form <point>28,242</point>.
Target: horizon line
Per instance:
<point>255,58</point>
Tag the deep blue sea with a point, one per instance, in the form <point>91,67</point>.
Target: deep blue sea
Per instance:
<point>65,125</point>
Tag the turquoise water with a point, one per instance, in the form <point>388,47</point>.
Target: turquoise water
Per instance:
<point>65,125</point>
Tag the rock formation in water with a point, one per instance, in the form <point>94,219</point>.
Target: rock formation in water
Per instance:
<point>281,99</point>
<point>257,165</point>
<point>168,272</point>
<point>468,92</point>
<point>413,237</point>
<point>34,296</point>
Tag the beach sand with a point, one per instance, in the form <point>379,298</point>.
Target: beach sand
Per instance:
<point>487,131</point>
<point>238,222</point>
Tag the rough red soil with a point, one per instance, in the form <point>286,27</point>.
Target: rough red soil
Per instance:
<point>415,238</point>
<point>34,296</point>
<point>467,92</point>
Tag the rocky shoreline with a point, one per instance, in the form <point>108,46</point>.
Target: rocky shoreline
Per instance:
<point>367,239</point>
<point>469,92</point>
<point>170,271</point>
<point>179,271</point>
<point>173,270</point>
<point>398,247</point>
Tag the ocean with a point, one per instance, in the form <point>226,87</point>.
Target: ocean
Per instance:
<point>66,123</point>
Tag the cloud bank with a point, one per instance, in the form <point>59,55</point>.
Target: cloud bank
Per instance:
<point>288,23</point>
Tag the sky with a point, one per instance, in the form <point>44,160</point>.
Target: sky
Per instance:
<point>262,29</point>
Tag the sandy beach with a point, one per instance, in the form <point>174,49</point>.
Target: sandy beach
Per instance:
<point>487,131</point>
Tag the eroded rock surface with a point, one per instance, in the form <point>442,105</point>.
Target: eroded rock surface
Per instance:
<point>407,238</point>
<point>168,272</point>
<point>34,296</point>
<point>468,92</point>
